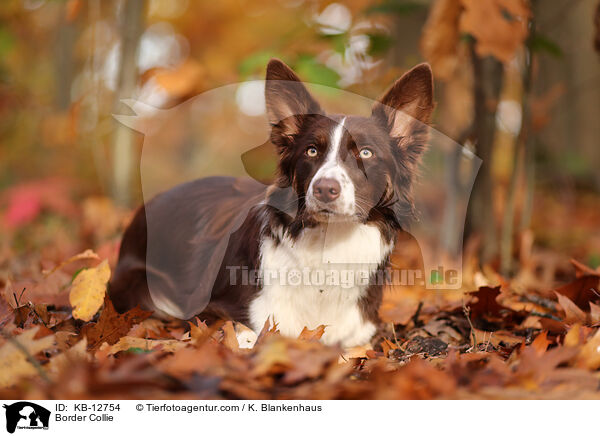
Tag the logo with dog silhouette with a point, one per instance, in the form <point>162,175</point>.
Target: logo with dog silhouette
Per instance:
<point>26,415</point>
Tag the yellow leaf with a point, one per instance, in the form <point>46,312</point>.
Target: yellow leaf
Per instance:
<point>87,292</point>
<point>13,361</point>
<point>572,337</point>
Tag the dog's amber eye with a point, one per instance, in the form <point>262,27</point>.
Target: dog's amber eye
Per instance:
<point>365,153</point>
<point>312,151</point>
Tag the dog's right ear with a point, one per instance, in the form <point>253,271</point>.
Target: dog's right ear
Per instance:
<point>288,102</point>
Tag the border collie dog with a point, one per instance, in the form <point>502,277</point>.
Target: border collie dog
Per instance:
<point>318,237</point>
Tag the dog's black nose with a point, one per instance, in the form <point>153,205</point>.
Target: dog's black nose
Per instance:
<point>326,190</point>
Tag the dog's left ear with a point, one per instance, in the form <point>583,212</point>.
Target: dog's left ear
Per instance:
<point>405,110</point>
<point>288,102</point>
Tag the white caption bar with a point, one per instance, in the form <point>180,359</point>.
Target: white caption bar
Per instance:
<point>149,417</point>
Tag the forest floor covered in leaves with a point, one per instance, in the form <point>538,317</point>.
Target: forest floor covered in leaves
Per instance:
<point>535,335</point>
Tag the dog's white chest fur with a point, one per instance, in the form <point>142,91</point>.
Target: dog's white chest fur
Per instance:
<point>319,279</point>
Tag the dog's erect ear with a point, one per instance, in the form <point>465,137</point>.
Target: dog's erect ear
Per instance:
<point>405,109</point>
<point>288,102</point>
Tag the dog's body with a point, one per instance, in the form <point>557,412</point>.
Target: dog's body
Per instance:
<point>348,180</point>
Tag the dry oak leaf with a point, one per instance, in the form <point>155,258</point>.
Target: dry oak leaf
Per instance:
<point>577,335</point>
<point>88,290</point>
<point>499,26</point>
<point>386,346</point>
<point>199,331</point>
<point>581,291</point>
<point>127,342</point>
<point>398,307</point>
<point>573,314</point>
<point>540,343</point>
<point>535,368</point>
<point>6,313</point>
<point>594,314</point>
<point>583,270</point>
<point>312,335</point>
<point>229,337</point>
<point>498,338</point>
<point>86,255</point>
<point>13,360</point>
<point>272,355</point>
<point>589,354</point>
<point>111,325</point>
<point>29,314</point>
<point>211,358</point>
<point>360,351</point>
<point>295,360</point>
<point>64,360</point>
<point>487,302</point>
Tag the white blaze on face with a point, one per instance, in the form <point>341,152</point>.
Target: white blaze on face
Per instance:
<point>332,168</point>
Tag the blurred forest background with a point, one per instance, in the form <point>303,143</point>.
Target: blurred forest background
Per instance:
<point>517,82</point>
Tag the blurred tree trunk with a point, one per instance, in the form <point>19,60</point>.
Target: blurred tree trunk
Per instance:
<point>583,92</point>
<point>523,160</point>
<point>64,65</point>
<point>597,25</point>
<point>570,139</point>
<point>131,25</point>
<point>487,76</point>
<point>522,165</point>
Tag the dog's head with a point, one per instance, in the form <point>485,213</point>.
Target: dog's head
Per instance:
<point>349,168</point>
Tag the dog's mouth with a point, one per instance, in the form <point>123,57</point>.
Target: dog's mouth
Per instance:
<point>330,215</point>
<point>331,211</point>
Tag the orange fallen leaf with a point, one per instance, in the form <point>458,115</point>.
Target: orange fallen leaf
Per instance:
<point>312,335</point>
<point>229,336</point>
<point>589,355</point>
<point>594,314</point>
<point>573,314</point>
<point>540,343</point>
<point>127,342</point>
<point>487,302</point>
<point>111,325</point>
